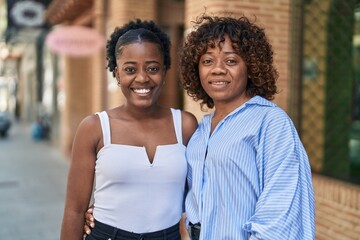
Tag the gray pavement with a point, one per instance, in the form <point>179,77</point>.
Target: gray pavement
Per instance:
<point>32,187</point>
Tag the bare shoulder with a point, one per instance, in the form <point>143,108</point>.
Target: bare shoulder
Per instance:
<point>189,125</point>
<point>90,122</point>
<point>188,118</point>
<point>89,129</point>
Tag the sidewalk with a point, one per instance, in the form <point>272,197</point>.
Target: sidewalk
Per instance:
<point>32,187</point>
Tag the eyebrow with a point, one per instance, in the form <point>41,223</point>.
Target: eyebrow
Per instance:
<point>211,52</point>
<point>148,62</point>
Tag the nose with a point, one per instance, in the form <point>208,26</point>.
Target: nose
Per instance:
<point>142,77</point>
<point>219,67</point>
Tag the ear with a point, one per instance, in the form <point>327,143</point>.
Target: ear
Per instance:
<point>164,75</point>
<point>116,73</point>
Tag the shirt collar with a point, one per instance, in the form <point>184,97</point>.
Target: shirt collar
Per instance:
<point>256,100</point>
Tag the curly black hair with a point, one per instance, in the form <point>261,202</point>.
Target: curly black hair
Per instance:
<point>147,31</point>
<point>248,40</point>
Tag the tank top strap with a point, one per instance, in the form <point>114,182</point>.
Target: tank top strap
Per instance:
<point>176,113</point>
<point>105,127</point>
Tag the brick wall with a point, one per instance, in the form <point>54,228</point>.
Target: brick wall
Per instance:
<point>122,11</point>
<point>273,16</point>
<point>337,209</point>
<point>337,202</point>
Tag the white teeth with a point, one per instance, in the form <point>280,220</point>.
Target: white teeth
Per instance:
<point>141,90</point>
<point>219,83</point>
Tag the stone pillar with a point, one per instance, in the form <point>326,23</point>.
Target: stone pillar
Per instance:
<point>99,79</point>
<point>77,79</point>
<point>173,23</point>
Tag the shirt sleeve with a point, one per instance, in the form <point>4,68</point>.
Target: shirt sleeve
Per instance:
<point>285,206</point>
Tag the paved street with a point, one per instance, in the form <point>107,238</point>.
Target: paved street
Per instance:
<point>32,187</point>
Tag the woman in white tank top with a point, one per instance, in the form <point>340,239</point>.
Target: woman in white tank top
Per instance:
<point>135,152</point>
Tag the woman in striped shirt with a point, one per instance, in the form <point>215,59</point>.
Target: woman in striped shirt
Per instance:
<point>248,173</point>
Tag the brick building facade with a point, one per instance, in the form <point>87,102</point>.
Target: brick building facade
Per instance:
<point>89,88</point>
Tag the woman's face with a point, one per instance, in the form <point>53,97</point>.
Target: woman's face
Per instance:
<point>141,73</point>
<point>223,75</point>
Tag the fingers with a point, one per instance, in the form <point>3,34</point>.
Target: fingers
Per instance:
<point>87,230</point>
<point>89,222</point>
<point>90,210</point>
<point>89,218</point>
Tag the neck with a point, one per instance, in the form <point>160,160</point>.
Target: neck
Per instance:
<point>222,109</point>
<point>137,113</point>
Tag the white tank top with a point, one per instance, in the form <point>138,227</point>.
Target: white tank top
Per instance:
<point>133,194</point>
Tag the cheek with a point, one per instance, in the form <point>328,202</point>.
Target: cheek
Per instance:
<point>124,80</point>
<point>240,74</point>
<point>204,85</point>
<point>202,77</point>
<point>202,73</point>
<point>120,75</point>
<point>159,79</point>
<point>243,70</point>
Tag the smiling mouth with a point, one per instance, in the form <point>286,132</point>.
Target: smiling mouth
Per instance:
<point>141,90</point>
<point>219,83</point>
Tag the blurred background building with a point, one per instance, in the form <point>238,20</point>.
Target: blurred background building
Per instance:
<point>317,53</point>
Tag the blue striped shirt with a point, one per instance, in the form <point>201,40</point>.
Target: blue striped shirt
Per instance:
<point>251,178</point>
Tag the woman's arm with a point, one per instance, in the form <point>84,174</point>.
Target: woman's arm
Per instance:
<point>80,177</point>
<point>285,207</point>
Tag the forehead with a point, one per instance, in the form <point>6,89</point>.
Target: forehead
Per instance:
<point>140,50</point>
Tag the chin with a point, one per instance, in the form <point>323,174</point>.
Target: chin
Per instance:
<point>144,104</point>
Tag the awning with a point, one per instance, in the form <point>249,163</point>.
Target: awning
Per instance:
<point>60,11</point>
